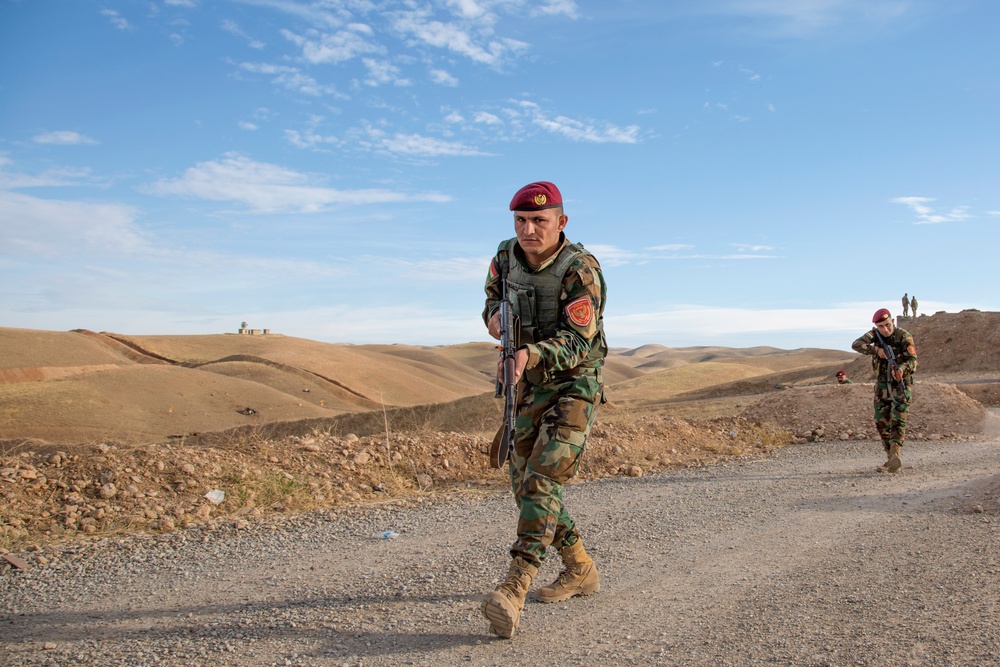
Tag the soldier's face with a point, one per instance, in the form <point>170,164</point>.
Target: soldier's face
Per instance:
<point>538,232</point>
<point>885,328</point>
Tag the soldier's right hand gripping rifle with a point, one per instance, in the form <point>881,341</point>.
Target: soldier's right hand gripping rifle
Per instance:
<point>506,381</point>
<point>892,366</point>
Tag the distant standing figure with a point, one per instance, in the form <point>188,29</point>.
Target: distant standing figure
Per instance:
<point>913,306</point>
<point>906,305</point>
<point>842,378</point>
<point>893,389</point>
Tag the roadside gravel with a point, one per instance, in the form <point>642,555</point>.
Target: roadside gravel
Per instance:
<point>802,556</point>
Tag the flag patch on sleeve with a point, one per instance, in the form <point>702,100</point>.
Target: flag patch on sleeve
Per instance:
<point>580,312</point>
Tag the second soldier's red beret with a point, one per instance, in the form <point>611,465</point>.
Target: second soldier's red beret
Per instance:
<point>881,315</point>
<point>536,196</point>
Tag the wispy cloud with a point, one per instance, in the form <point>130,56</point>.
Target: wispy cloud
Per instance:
<point>310,140</point>
<point>415,145</point>
<point>337,47</point>
<point>926,215</point>
<point>804,18</point>
<point>56,177</point>
<point>269,188</point>
<point>234,28</point>
<point>579,130</point>
<point>444,78</point>
<point>117,20</point>
<point>751,248</point>
<point>452,269</point>
<point>63,138</point>
<point>52,227</point>
<point>480,45</point>
<point>383,72</point>
<point>615,256</point>
<point>291,78</point>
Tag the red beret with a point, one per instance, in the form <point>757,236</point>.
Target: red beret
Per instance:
<point>881,315</point>
<point>839,373</point>
<point>536,196</point>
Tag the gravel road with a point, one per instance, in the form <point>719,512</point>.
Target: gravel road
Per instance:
<point>804,556</point>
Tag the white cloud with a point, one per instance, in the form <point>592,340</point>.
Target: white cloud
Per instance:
<point>63,138</point>
<point>555,7</point>
<point>752,248</point>
<point>248,126</point>
<point>614,256</point>
<point>685,325</point>
<point>291,78</point>
<point>671,247</point>
<point>233,28</point>
<point>382,71</point>
<point>441,77</point>
<point>60,177</point>
<point>576,130</point>
<point>52,227</point>
<point>454,269</point>
<point>803,18</point>
<point>488,50</point>
<point>116,19</point>
<point>332,48</point>
<point>486,118</point>
<point>420,146</point>
<point>309,139</point>
<point>269,188</point>
<point>586,131</point>
<point>926,214</point>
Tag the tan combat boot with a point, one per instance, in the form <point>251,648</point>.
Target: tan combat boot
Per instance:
<point>885,466</point>
<point>578,578</point>
<point>502,608</point>
<point>894,463</point>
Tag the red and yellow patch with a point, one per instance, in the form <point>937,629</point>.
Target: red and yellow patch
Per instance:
<point>493,268</point>
<point>580,312</point>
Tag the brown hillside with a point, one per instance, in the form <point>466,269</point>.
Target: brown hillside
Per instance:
<point>336,444</point>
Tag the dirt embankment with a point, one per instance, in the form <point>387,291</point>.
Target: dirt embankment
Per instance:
<point>55,495</point>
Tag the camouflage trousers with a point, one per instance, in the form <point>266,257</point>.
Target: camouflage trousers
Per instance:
<point>891,408</point>
<point>551,431</point>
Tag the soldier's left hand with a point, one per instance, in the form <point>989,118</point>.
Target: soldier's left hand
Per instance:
<point>897,375</point>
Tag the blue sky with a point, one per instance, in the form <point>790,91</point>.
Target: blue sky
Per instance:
<point>764,172</point>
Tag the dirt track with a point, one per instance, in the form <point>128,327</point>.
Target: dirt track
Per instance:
<point>804,556</point>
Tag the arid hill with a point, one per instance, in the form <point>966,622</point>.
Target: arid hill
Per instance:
<point>85,387</point>
<point>105,433</point>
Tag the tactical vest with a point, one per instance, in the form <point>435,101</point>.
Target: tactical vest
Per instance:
<point>535,300</point>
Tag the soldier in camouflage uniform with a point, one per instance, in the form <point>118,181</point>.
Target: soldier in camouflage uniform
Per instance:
<point>906,305</point>
<point>913,306</point>
<point>558,293</point>
<point>892,396</point>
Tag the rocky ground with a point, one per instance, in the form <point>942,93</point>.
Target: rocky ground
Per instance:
<point>798,556</point>
<point>57,495</point>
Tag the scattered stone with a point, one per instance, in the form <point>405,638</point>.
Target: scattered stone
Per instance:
<point>15,562</point>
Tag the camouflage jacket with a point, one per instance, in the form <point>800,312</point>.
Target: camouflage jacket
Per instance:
<point>578,336</point>
<point>902,346</point>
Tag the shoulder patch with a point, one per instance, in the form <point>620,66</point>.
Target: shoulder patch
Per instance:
<point>580,311</point>
<point>493,268</point>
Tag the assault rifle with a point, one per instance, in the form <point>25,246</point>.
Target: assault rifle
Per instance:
<point>506,385</point>
<point>892,366</point>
